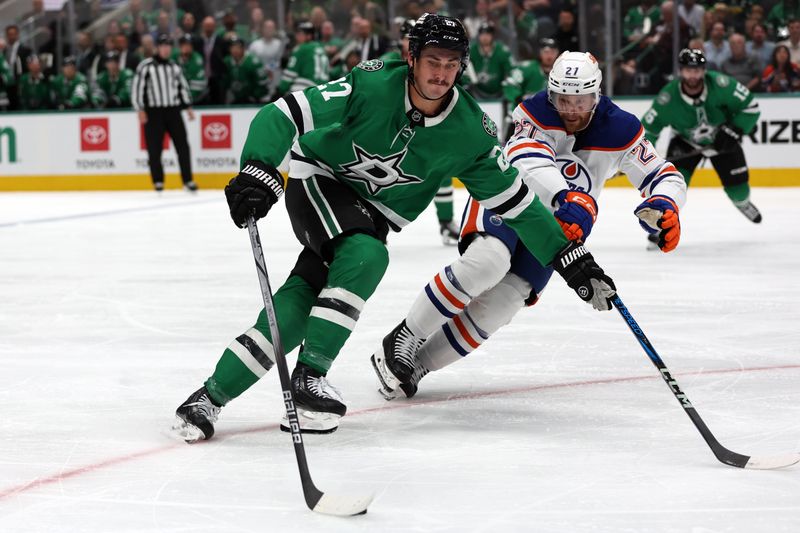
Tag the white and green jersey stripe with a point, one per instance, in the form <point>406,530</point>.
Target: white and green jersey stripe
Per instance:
<point>362,130</point>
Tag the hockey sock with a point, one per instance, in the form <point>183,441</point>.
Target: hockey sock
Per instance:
<point>250,355</point>
<point>444,201</point>
<point>738,193</point>
<point>358,265</point>
<point>482,265</point>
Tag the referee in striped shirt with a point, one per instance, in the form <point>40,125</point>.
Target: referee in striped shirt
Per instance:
<point>160,92</point>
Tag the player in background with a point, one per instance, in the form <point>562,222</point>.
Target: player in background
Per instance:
<point>709,113</point>
<point>568,141</point>
<point>368,152</point>
<point>443,201</point>
<point>191,63</point>
<point>308,65</point>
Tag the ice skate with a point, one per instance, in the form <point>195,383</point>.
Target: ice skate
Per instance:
<point>195,418</point>
<point>449,232</point>
<point>190,186</point>
<point>158,186</point>
<point>319,405</point>
<point>749,210</point>
<point>395,360</point>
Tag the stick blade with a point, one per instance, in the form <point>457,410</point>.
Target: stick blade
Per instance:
<point>772,462</point>
<point>337,505</point>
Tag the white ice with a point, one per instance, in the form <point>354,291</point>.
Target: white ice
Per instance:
<point>114,307</point>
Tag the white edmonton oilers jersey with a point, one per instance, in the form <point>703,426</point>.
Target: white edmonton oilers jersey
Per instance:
<point>550,160</point>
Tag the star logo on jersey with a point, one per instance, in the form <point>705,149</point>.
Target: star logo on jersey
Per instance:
<point>377,172</point>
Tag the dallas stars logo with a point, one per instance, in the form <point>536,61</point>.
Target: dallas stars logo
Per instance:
<point>377,172</point>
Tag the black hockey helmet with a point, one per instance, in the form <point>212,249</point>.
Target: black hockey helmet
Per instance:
<point>442,32</point>
<point>692,57</point>
<point>186,38</point>
<point>406,26</point>
<point>305,26</point>
<point>486,27</point>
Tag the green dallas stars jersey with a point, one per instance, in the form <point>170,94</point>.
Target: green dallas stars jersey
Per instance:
<point>245,81</point>
<point>724,100</point>
<point>525,79</point>
<point>195,73</point>
<point>113,93</point>
<point>359,130</point>
<point>71,94</point>
<point>308,66</point>
<point>34,93</point>
<point>486,73</point>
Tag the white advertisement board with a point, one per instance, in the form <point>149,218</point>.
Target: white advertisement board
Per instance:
<point>103,150</point>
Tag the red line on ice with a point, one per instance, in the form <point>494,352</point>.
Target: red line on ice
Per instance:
<point>87,469</point>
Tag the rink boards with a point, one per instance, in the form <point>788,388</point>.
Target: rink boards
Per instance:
<point>104,150</point>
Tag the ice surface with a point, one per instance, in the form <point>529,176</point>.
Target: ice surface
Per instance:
<point>115,306</point>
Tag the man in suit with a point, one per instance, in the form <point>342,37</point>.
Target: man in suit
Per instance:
<point>212,49</point>
<point>16,55</point>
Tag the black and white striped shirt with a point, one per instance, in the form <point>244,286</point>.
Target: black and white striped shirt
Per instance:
<point>159,83</point>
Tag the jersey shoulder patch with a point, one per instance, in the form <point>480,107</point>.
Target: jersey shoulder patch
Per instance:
<point>539,110</point>
<point>663,97</point>
<point>612,129</point>
<point>489,126</point>
<point>370,65</point>
<point>722,80</point>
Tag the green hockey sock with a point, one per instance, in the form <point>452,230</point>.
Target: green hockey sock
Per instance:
<point>250,355</point>
<point>358,265</point>
<point>738,193</point>
<point>444,201</point>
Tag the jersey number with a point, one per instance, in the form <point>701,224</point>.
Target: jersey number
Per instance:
<point>643,152</point>
<point>340,88</point>
<point>571,71</point>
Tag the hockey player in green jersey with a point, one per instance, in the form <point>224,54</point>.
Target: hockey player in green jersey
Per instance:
<point>245,79</point>
<point>530,77</point>
<point>113,86</point>
<point>35,91</point>
<point>194,71</point>
<point>70,88</point>
<point>6,80</point>
<point>308,65</point>
<point>368,153</point>
<point>709,113</point>
<point>490,64</point>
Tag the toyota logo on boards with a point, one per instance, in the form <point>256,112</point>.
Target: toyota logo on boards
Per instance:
<point>94,134</point>
<point>216,131</point>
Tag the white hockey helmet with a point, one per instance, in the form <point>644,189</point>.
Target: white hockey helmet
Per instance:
<point>575,73</point>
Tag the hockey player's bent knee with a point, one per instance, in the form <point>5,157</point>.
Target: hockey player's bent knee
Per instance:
<point>482,265</point>
<point>361,258</point>
<point>497,306</point>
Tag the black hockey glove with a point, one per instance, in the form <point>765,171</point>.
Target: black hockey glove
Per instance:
<point>727,138</point>
<point>576,265</point>
<point>254,191</point>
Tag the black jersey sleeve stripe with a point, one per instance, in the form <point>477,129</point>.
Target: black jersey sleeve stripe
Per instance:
<point>297,113</point>
<point>512,202</point>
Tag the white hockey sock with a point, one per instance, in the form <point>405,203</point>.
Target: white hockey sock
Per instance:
<point>482,265</point>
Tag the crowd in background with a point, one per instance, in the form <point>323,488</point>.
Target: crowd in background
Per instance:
<point>234,52</point>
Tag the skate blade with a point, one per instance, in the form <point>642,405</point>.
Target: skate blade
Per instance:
<point>187,432</point>
<point>389,383</point>
<point>313,422</point>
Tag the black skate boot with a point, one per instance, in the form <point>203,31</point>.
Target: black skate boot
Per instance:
<point>396,359</point>
<point>190,186</point>
<point>319,405</point>
<point>749,210</point>
<point>449,232</point>
<point>195,418</point>
<point>410,388</point>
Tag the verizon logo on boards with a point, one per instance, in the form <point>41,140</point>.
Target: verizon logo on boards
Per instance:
<point>94,134</point>
<point>215,132</point>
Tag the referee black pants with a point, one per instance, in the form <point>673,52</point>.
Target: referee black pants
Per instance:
<point>169,120</point>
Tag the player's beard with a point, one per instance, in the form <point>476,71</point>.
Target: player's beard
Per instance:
<point>692,87</point>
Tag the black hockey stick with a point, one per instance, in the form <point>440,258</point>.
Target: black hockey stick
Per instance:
<point>723,454</point>
<point>316,500</point>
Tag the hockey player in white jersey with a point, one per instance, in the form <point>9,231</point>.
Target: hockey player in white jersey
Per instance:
<point>567,142</point>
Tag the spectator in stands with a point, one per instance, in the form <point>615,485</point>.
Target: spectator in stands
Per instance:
<point>329,40</point>
<point>754,16</point>
<point>566,35</point>
<point>194,71</point>
<point>256,24</point>
<point>489,64</point>
<point>113,28</point>
<point>793,42</point>
<point>70,88</point>
<point>692,13</point>
<point>308,65</point>
<point>759,45</point>
<point>480,16</point>
<point>269,50</point>
<point>213,52</point>
<point>86,52</point>
<point>781,75</point>
<point>135,12</point>
<point>245,81</point>
<point>127,59</point>
<point>741,66</point>
<point>640,20</point>
<point>317,17</point>
<point>716,47</point>
<point>6,80</point>
<point>781,13</point>
<point>165,25</point>
<point>147,47</point>
<point>189,27</point>
<point>16,55</point>
<point>231,28</point>
<point>35,91</point>
<point>112,89</point>
<point>369,44</point>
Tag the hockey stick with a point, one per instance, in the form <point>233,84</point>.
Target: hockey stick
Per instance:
<point>723,454</point>
<point>316,500</point>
